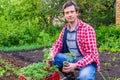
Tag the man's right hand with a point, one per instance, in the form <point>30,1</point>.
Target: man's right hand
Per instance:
<point>50,59</point>
<point>47,63</point>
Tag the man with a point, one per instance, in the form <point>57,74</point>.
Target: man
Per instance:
<point>78,38</point>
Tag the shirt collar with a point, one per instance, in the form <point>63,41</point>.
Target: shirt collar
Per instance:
<point>75,28</point>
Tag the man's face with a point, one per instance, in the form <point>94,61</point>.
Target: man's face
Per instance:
<point>70,14</point>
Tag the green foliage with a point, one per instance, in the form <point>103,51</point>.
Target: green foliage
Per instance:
<point>98,12</point>
<point>107,64</point>
<point>44,39</point>
<point>53,31</point>
<point>19,24</point>
<point>6,68</point>
<point>49,9</point>
<point>26,22</point>
<point>26,36</point>
<point>46,53</point>
<point>33,71</point>
<point>69,55</point>
<point>114,59</point>
<point>2,71</point>
<point>17,35</point>
<point>108,38</point>
<point>22,47</point>
<point>38,71</point>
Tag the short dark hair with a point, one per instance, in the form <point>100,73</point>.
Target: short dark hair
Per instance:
<point>69,3</point>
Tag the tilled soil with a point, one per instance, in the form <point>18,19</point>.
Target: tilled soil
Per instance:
<point>110,62</point>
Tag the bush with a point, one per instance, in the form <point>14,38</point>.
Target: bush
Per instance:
<point>108,38</point>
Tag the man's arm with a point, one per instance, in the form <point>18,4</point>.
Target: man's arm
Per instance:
<point>57,46</point>
<point>91,53</point>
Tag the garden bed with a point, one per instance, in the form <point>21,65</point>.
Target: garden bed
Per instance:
<point>110,63</point>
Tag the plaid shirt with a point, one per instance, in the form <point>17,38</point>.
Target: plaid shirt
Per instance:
<point>86,40</point>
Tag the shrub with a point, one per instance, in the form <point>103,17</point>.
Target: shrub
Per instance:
<point>108,38</point>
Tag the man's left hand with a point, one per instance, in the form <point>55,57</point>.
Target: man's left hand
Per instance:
<point>70,68</point>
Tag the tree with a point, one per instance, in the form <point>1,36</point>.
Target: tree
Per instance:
<point>97,12</point>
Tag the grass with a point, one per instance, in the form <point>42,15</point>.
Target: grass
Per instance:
<point>23,47</point>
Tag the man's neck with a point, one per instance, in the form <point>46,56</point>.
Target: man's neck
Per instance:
<point>73,25</point>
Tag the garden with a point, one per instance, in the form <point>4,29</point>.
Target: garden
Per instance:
<point>28,29</point>
<point>12,61</point>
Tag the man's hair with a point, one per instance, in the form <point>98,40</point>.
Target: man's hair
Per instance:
<point>69,3</point>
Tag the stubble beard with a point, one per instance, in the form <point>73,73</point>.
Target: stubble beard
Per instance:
<point>73,22</point>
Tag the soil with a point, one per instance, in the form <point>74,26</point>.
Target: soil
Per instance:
<point>110,63</point>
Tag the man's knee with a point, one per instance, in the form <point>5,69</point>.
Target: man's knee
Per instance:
<point>86,77</point>
<point>87,73</point>
<point>59,59</point>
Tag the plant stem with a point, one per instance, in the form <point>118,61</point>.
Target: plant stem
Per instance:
<point>102,75</point>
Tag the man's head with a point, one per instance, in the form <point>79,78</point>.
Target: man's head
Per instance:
<point>70,11</point>
<point>69,3</point>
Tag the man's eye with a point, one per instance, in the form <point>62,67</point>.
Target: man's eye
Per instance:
<point>66,12</point>
<point>72,11</point>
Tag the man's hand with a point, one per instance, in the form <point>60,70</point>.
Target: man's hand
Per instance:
<point>50,58</point>
<point>47,63</point>
<point>70,68</point>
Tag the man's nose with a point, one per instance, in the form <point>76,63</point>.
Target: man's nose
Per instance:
<point>70,14</point>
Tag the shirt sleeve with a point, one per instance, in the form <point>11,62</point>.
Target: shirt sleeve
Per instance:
<point>91,53</point>
<point>57,46</point>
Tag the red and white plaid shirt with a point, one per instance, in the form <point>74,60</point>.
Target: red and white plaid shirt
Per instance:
<point>86,40</point>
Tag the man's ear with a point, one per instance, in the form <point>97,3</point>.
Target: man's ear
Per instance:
<point>77,13</point>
